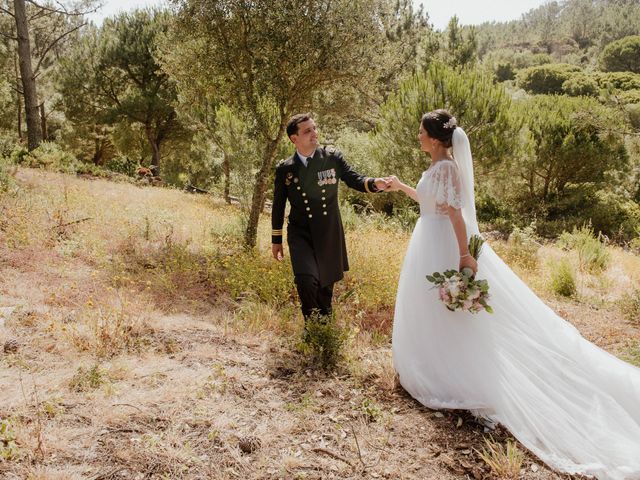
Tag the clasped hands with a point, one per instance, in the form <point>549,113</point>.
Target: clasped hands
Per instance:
<point>388,184</point>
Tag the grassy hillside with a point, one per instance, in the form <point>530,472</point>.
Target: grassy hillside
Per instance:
<point>138,340</point>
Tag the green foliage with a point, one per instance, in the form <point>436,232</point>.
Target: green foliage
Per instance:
<point>482,108</point>
<point>324,340</point>
<point>618,80</point>
<point>630,306</point>
<point>514,60</point>
<point>7,174</point>
<point>632,354</point>
<point>249,274</point>
<point>122,164</point>
<point>370,410</point>
<point>633,112</point>
<point>87,379</point>
<point>570,143</point>
<point>622,55</point>
<point>9,449</point>
<point>522,248</point>
<point>504,71</point>
<point>546,79</point>
<point>592,251</point>
<point>563,279</point>
<point>460,49</point>
<point>51,156</point>
<point>613,215</point>
<point>580,85</point>
<point>113,77</point>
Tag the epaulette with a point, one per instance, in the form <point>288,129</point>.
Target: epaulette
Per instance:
<point>281,162</point>
<point>330,149</point>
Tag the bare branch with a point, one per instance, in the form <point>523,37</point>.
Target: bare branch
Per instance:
<point>8,37</point>
<point>4,10</point>
<point>52,44</point>
<point>63,10</point>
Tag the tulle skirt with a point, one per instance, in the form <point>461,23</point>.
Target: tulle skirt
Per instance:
<point>571,403</point>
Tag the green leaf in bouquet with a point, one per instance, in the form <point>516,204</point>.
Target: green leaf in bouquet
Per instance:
<point>431,278</point>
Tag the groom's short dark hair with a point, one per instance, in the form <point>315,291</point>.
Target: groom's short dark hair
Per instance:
<point>292,126</point>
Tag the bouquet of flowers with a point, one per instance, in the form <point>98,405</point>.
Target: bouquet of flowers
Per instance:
<point>460,290</point>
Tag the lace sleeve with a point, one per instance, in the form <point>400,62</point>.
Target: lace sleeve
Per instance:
<point>445,186</point>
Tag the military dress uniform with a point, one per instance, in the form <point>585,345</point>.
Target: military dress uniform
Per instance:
<point>314,230</point>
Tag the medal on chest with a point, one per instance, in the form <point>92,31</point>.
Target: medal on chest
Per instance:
<point>327,177</point>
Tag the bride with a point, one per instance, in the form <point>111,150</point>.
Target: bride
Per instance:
<point>571,403</point>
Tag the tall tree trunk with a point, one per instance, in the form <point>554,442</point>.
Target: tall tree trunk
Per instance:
<point>226,169</point>
<point>98,152</point>
<point>261,186</point>
<point>154,143</point>
<point>18,101</point>
<point>43,121</point>
<point>34,129</point>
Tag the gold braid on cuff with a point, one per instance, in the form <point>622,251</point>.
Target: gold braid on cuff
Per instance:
<point>366,185</point>
<point>276,232</point>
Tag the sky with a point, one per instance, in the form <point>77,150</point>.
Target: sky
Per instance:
<point>470,12</point>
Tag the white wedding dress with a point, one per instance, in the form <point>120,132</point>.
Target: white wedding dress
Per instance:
<point>571,403</point>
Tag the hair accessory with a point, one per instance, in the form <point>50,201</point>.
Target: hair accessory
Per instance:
<point>450,124</point>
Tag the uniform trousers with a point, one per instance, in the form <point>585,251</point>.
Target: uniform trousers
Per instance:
<point>313,297</point>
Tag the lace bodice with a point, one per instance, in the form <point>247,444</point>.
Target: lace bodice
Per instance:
<point>440,188</point>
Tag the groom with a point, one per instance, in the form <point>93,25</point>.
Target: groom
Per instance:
<point>309,180</point>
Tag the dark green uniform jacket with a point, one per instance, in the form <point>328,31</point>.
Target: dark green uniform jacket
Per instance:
<point>314,231</point>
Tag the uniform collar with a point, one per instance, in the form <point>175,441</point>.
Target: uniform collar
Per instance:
<point>298,156</point>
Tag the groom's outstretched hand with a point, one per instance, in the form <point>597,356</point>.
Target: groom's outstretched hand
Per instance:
<point>277,251</point>
<point>382,184</point>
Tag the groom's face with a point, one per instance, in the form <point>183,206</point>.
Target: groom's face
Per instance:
<point>306,140</point>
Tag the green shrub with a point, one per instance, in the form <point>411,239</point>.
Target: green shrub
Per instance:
<point>622,55</point>
<point>122,164</point>
<point>7,173</point>
<point>489,207</point>
<point>592,251</point>
<point>323,341</point>
<point>18,155</point>
<point>49,155</point>
<point>563,279</point>
<point>630,97</point>
<point>546,79</point>
<point>633,112</point>
<point>624,81</point>
<point>632,354</point>
<point>9,449</point>
<point>86,379</point>
<point>580,85</point>
<point>7,146</point>
<point>248,274</point>
<point>630,306</point>
<point>522,248</point>
<point>504,71</point>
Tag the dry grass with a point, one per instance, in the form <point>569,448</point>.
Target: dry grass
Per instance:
<point>150,346</point>
<point>505,461</point>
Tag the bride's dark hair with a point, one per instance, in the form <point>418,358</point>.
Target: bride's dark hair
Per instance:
<point>440,125</point>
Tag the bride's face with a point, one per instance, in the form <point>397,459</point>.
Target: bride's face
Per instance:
<point>425,140</point>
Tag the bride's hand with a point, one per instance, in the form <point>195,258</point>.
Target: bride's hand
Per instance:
<point>393,184</point>
<point>467,261</point>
